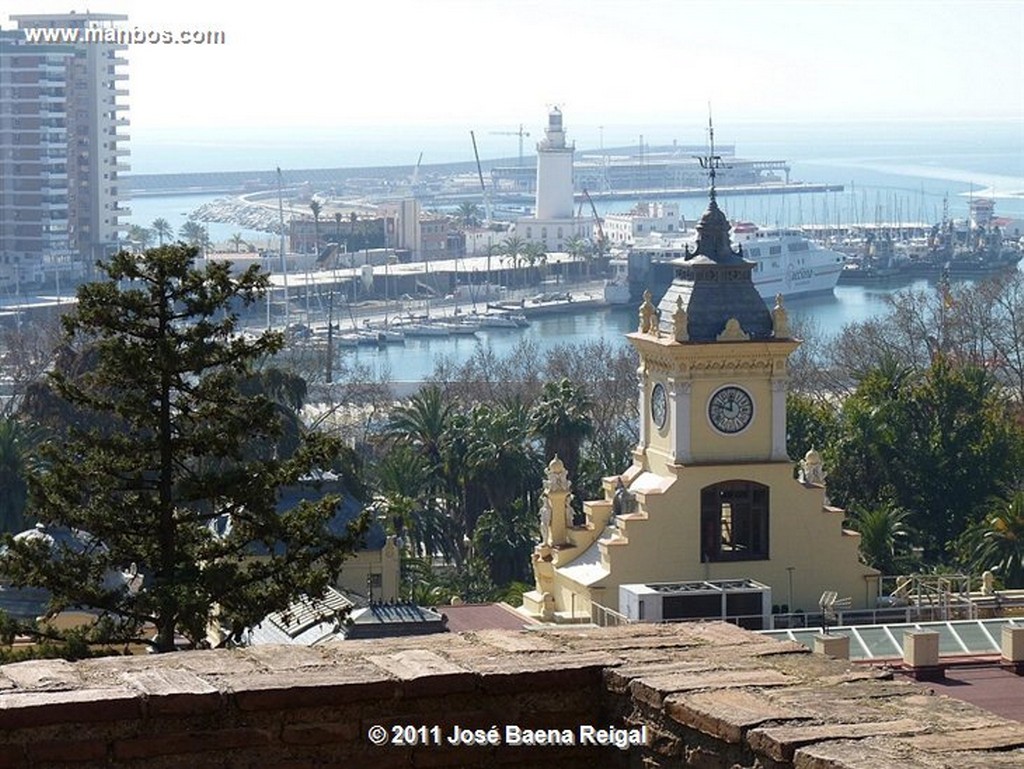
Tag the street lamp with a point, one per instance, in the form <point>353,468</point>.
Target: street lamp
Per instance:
<point>790,570</point>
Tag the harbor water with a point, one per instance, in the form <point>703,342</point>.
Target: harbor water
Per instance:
<point>894,171</point>
<point>417,358</point>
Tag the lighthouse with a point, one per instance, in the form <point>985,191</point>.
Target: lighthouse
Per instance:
<point>553,222</point>
<point>554,171</point>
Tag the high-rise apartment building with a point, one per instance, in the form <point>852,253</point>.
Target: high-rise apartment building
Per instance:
<point>61,153</point>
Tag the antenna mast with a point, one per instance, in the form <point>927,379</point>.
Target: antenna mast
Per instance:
<point>284,261</point>
<point>711,162</point>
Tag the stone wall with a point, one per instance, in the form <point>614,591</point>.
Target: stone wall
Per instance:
<point>709,696</point>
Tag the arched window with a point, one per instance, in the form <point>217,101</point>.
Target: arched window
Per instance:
<point>734,522</point>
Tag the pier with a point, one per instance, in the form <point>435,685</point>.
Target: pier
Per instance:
<point>437,182</point>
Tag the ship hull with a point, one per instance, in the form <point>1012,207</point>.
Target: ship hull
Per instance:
<point>785,263</point>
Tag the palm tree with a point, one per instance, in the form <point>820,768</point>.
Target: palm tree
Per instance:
<point>1000,541</point>
<point>512,249</point>
<point>315,206</point>
<point>237,241</point>
<point>425,426</point>
<point>468,214</point>
<point>500,456</point>
<point>162,229</point>
<point>579,249</point>
<point>423,422</point>
<point>406,503</point>
<point>883,533</point>
<point>195,234</point>
<point>562,417</point>
<point>504,542</point>
<point>139,237</point>
<point>534,254</point>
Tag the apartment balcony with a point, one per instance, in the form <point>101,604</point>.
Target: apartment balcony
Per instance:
<point>122,167</point>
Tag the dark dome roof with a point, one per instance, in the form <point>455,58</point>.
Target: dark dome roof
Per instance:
<point>715,284</point>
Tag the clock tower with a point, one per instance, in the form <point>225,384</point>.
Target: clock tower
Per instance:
<point>711,498</point>
<point>712,361</point>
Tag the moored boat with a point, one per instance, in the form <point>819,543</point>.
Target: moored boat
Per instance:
<point>785,262</point>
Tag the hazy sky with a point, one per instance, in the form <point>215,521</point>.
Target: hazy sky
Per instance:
<point>376,62</point>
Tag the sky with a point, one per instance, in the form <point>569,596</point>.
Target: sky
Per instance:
<point>366,63</point>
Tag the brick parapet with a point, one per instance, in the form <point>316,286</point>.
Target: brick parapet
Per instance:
<point>711,696</point>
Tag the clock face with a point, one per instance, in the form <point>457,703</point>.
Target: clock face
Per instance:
<point>659,405</point>
<point>730,409</point>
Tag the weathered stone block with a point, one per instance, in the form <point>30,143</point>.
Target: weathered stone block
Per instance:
<point>1012,643</point>
<point>44,675</point>
<point>995,737</point>
<point>727,714</point>
<point>921,648</point>
<point>19,710</point>
<point>834,646</point>
<point>174,691</point>
<point>780,743</point>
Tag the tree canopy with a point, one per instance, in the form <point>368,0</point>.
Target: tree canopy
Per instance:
<point>150,464</point>
<point>936,443</point>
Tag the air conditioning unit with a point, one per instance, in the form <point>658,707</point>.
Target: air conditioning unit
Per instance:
<point>743,602</point>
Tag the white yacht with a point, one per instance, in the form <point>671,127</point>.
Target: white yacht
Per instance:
<point>786,261</point>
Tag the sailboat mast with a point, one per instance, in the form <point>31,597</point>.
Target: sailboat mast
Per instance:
<point>284,262</point>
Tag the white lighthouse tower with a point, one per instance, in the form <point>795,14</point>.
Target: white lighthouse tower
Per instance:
<point>553,223</point>
<point>554,171</point>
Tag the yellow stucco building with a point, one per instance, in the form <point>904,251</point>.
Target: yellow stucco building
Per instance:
<point>711,493</point>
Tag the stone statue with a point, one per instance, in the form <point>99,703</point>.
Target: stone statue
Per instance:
<point>545,521</point>
<point>780,319</point>
<point>648,315</point>
<point>811,468</point>
<point>680,322</point>
<point>622,500</point>
<point>557,476</point>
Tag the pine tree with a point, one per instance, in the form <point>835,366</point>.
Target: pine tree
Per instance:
<point>153,467</point>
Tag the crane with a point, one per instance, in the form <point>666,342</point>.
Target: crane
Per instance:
<point>520,133</point>
<point>480,173</point>
<point>416,176</point>
<point>600,244</point>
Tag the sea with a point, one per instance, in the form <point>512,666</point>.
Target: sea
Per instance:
<point>897,171</point>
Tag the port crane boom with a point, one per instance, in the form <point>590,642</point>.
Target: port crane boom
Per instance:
<point>520,133</point>
<point>480,173</point>
<point>601,244</point>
